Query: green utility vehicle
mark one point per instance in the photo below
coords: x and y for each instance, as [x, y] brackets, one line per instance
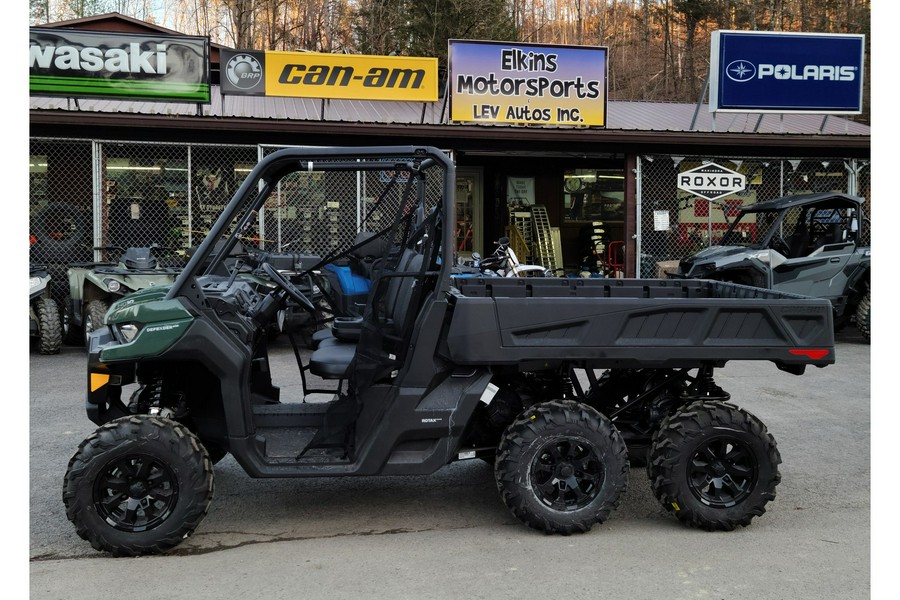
[554, 381]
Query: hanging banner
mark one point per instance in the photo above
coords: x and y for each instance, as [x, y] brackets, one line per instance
[68, 62]
[756, 71]
[318, 75]
[507, 82]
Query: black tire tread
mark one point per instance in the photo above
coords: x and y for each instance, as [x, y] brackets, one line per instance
[666, 478]
[107, 438]
[525, 430]
[864, 316]
[49, 326]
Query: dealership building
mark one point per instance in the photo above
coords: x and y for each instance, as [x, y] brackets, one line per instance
[136, 161]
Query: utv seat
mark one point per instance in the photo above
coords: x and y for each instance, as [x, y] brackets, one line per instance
[333, 356]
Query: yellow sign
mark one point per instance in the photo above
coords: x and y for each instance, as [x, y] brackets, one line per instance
[350, 76]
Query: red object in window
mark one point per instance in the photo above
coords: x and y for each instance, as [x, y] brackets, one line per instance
[701, 207]
[32, 239]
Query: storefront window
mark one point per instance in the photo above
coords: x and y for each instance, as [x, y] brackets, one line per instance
[594, 194]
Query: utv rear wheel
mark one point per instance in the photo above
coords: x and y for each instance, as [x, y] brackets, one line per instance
[561, 467]
[714, 465]
[138, 485]
[864, 316]
[94, 313]
[49, 327]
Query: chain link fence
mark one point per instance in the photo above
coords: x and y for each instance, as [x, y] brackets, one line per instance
[86, 195]
[674, 223]
[90, 199]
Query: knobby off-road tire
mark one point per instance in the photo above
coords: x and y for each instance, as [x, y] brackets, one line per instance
[94, 313]
[561, 467]
[714, 465]
[864, 316]
[49, 326]
[138, 485]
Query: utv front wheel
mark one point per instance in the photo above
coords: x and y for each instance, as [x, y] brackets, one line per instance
[94, 313]
[561, 467]
[138, 485]
[714, 465]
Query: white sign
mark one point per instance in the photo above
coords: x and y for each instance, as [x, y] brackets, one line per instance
[660, 220]
[711, 181]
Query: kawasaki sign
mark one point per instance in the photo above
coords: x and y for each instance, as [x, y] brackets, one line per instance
[67, 62]
[755, 71]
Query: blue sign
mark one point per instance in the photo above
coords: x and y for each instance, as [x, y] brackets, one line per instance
[753, 71]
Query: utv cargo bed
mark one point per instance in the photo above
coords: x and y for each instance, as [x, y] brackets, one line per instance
[634, 323]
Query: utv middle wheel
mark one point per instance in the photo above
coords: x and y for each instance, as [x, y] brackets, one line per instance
[561, 467]
[94, 313]
[714, 465]
[49, 327]
[138, 485]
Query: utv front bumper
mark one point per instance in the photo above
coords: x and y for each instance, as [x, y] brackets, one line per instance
[105, 381]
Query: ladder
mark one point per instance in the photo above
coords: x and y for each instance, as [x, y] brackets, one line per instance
[545, 254]
[520, 219]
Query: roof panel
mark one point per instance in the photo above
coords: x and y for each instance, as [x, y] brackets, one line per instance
[621, 115]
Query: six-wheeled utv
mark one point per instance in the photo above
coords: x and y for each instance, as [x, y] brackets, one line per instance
[555, 381]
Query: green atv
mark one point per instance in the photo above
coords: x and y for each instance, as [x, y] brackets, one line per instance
[94, 286]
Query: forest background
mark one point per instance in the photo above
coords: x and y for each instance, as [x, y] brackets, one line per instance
[658, 49]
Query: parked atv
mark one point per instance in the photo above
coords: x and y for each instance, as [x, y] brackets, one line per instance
[46, 329]
[807, 244]
[94, 286]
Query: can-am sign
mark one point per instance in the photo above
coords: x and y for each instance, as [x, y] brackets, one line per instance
[320, 75]
[711, 181]
[754, 71]
[68, 62]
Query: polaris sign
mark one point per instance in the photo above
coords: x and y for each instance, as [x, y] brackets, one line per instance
[756, 71]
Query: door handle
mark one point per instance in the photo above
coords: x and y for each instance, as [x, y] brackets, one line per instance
[835, 259]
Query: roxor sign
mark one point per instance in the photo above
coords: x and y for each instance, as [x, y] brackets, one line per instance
[711, 181]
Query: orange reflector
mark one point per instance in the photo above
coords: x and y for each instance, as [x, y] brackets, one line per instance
[98, 380]
[813, 354]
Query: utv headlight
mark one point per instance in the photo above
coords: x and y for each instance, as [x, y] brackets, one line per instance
[126, 332]
[112, 285]
[34, 282]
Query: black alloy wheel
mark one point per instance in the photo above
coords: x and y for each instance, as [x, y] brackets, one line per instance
[135, 493]
[723, 471]
[567, 474]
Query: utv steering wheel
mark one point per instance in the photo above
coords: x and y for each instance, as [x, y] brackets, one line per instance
[780, 246]
[289, 288]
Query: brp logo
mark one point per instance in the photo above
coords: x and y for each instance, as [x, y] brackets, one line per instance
[244, 71]
[740, 71]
